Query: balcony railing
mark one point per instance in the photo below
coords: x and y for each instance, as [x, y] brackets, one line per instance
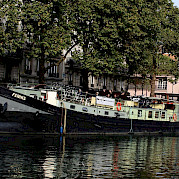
[162, 87]
[28, 72]
[56, 75]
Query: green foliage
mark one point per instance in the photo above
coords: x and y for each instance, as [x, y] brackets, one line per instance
[110, 36]
[167, 66]
[11, 36]
[115, 35]
[157, 21]
[46, 30]
[95, 28]
[46, 34]
[171, 31]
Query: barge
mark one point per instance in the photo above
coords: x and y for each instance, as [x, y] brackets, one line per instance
[82, 113]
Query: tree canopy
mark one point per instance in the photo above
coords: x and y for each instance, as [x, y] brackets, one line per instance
[46, 30]
[159, 26]
[110, 36]
[118, 35]
[11, 36]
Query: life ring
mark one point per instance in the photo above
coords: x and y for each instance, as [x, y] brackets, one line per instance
[118, 105]
[174, 117]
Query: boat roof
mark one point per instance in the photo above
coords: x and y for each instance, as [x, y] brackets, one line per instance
[168, 94]
[154, 98]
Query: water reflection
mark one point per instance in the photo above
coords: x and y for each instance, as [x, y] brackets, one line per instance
[89, 157]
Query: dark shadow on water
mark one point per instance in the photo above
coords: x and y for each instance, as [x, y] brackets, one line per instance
[85, 156]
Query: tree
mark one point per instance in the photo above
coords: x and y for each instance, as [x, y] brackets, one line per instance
[112, 35]
[155, 22]
[47, 31]
[172, 32]
[11, 36]
[97, 28]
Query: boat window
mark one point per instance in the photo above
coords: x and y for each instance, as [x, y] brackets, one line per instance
[40, 86]
[163, 115]
[150, 114]
[170, 106]
[139, 113]
[106, 113]
[33, 96]
[72, 106]
[85, 109]
[59, 94]
[157, 114]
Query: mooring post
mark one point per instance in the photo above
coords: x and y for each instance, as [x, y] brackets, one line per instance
[64, 129]
[64, 121]
[131, 129]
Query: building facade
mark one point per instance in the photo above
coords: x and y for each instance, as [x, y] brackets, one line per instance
[68, 73]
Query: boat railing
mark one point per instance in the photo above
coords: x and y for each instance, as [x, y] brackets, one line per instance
[83, 98]
[73, 96]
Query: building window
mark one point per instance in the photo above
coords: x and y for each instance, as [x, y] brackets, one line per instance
[104, 82]
[115, 84]
[70, 79]
[98, 83]
[27, 64]
[28, 67]
[37, 65]
[92, 81]
[162, 83]
[81, 80]
[52, 71]
[2, 75]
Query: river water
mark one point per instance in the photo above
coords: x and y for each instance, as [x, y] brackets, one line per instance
[89, 157]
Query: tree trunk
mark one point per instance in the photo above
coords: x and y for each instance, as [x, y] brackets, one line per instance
[41, 71]
[85, 79]
[153, 77]
[8, 72]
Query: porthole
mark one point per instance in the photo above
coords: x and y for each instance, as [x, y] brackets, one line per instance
[85, 109]
[72, 106]
[106, 113]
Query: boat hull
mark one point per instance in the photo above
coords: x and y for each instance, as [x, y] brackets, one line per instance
[27, 116]
[28, 122]
[81, 123]
[78, 123]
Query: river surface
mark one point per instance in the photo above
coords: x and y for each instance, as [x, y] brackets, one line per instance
[39, 157]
